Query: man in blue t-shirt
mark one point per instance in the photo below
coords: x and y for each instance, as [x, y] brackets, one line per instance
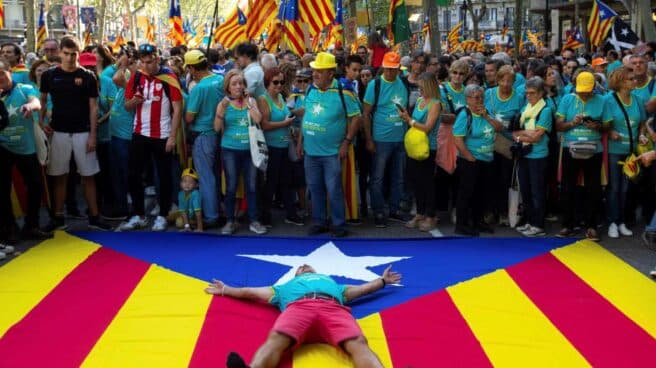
[309, 300]
[201, 108]
[384, 133]
[328, 128]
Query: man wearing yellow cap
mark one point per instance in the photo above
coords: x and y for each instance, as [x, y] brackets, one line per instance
[201, 108]
[328, 128]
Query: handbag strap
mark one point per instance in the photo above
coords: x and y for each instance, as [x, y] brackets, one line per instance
[626, 118]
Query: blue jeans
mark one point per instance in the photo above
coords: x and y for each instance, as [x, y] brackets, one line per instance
[323, 175]
[618, 187]
[532, 174]
[236, 162]
[393, 154]
[119, 149]
[204, 155]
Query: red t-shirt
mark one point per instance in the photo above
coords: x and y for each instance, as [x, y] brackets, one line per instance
[153, 117]
[377, 53]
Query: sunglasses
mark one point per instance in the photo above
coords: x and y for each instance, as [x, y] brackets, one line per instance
[277, 82]
[302, 81]
[458, 73]
[147, 49]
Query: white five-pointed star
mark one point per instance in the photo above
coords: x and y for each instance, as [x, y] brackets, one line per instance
[625, 32]
[458, 105]
[396, 100]
[243, 121]
[12, 110]
[487, 131]
[328, 260]
[498, 117]
[602, 13]
[317, 109]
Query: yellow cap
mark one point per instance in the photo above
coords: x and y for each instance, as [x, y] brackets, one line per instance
[585, 82]
[189, 172]
[324, 60]
[194, 57]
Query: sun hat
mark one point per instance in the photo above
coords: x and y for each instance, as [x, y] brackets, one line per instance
[324, 60]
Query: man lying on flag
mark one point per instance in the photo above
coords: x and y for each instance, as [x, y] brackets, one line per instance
[313, 310]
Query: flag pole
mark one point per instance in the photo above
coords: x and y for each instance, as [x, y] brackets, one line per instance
[209, 42]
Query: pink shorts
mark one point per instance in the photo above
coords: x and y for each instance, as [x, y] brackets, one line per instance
[317, 320]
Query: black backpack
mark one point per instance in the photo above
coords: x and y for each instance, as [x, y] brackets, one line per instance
[340, 90]
[377, 84]
[4, 115]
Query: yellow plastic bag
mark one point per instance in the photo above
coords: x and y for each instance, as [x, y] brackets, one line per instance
[416, 144]
[630, 167]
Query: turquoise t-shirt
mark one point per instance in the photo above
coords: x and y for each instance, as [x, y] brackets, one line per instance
[22, 77]
[35, 114]
[324, 121]
[109, 71]
[235, 128]
[105, 98]
[643, 92]
[121, 121]
[303, 284]
[479, 138]
[189, 203]
[612, 66]
[386, 123]
[596, 108]
[545, 122]
[457, 97]
[503, 110]
[278, 137]
[18, 136]
[520, 80]
[202, 101]
[636, 112]
[420, 115]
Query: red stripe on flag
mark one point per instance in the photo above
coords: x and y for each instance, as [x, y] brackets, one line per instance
[601, 332]
[431, 329]
[226, 323]
[62, 329]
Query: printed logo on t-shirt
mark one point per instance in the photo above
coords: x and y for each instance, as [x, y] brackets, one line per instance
[78, 81]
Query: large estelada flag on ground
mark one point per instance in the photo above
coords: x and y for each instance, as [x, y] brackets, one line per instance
[600, 22]
[136, 300]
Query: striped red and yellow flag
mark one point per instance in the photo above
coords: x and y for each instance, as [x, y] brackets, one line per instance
[292, 31]
[2, 14]
[42, 30]
[176, 35]
[316, 13]
[350, 186]
[259, 17]
[233, 30]
[274, 34]
[600, 22]
[150, 32]
[454, 36]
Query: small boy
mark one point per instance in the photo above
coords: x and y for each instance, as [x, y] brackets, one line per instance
[189, 208]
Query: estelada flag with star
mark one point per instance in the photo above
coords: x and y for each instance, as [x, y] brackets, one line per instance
[462, 301]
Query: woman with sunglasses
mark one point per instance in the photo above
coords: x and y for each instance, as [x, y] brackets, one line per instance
[453, 92]
[276, 120]
[233, 115]
[295, 104]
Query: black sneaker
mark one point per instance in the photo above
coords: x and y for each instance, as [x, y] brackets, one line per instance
[114, 216]
[354, 222]
[56, 223]
[339, 232]
[13, 235]
[75, 214]
[649, 239]
[317, 229]
[485, 228]
[97, 224]
[294, 220]
[380, 222]
[398, 217]
[235, 361]
[35, 233]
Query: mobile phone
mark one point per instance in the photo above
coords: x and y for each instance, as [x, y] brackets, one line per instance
[399, 107]
[291, 115]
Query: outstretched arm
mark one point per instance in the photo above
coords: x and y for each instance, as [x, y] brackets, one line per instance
[389, 277]
[260, 294]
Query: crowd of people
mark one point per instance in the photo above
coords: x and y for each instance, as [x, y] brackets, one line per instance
[556, 126]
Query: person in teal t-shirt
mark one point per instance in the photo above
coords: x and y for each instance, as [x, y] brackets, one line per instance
[190, 210]
[312, 310]
[474, 132]
[582, 116]
[621, 143]
[18, 149]
[328, 128]
[200, 113]
[535, 124]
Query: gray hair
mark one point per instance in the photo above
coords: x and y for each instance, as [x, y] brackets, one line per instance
[502, 56]
[268, 61]
[473, 88]
[536, 83]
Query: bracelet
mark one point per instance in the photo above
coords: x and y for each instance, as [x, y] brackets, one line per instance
[412, 122]
[348, 139]
[383, 280]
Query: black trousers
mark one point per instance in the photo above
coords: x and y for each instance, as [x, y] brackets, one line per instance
[30, 169]
[143, 151]
[592, 178]
[421, 175]
[363, 162]
[474, 191]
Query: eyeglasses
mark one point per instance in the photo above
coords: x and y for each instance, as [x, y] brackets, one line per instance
[458, 73]
[277, 82]
[147, 49]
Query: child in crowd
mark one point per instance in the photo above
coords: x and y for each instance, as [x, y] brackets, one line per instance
[189, 207]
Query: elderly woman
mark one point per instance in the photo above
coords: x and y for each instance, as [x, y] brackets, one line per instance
[474, 132]
[623, 104]
[425, 117]
[232, 118]
[503, 103]
[276, 120]
[581, 117]
[535, 125]
[452, 92]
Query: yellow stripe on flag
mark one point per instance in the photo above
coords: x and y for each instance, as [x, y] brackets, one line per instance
[326, 356]
[630, 291]
[26, 280]
[157, 326]
[501, 315]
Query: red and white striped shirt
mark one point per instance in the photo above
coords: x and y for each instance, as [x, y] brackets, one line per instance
[153, 117]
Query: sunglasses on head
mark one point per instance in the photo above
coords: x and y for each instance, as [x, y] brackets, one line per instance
[301, 80]
[276, 82]
[147, 49]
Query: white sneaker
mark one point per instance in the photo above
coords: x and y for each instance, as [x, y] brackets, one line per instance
[160, 224]
[6, 249]
[135, 222]
[625, 231]
[523, 228]
[534, 231]
[257, 228]
[155, 210]
[453, 216]
[229, 228]
[652, 273]
[150, 191]
[3, 255]
[613, 231]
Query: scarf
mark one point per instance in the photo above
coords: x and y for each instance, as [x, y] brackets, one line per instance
[527, 119]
